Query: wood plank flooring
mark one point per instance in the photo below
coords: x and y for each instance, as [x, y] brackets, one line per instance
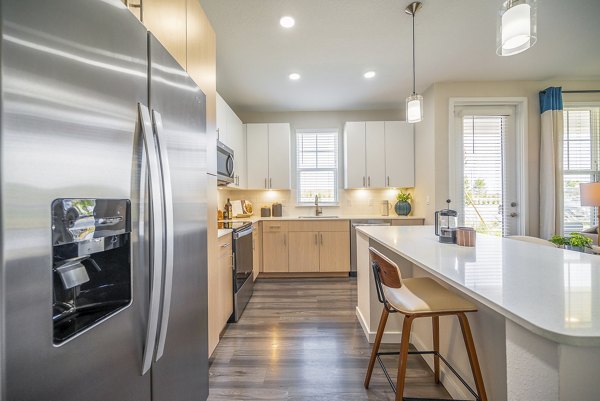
[299, 340]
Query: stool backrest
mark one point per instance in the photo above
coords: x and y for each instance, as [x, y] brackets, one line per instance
[385, 270]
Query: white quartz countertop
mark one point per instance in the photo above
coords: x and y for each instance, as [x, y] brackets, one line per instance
[223, 232]
[552, 292]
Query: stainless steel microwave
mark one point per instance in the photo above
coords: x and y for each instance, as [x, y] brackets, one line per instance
[225, 173]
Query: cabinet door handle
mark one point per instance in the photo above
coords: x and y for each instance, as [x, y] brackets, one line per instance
[218, 134]
[388, 180]
[364, 183]
[233, 261]
[369, 182]
[321, 239]
[284, 240]
[227, 245]
[316, 243]
[265, 183]
[270, 183]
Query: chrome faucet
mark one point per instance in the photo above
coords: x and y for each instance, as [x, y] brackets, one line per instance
[318, 210]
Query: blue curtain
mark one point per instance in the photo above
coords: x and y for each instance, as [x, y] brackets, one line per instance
[551, 162]
[551, 99]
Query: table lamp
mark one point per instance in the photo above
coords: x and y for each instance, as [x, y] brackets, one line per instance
[590, 196]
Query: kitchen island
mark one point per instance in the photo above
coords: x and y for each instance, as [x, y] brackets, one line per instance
[537, 330]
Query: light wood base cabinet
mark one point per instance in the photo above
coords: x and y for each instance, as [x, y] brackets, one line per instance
[334, 251]
[304, 252]
[275, 246]
[306, 246]
[220, 301]
[256, 251]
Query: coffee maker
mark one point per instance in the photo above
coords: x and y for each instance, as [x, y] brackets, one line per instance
[445, 224]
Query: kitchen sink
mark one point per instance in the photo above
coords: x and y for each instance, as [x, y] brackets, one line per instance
[319, 217]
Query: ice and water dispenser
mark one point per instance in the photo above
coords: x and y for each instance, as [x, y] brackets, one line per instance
[91, 266]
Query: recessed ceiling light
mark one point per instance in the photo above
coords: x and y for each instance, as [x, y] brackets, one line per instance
[369, 74]
[287, 22]
[294, 76]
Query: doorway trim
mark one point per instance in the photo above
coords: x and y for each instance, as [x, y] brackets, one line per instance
[521, 129]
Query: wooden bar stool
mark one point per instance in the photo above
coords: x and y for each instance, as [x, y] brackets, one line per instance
[414, 298]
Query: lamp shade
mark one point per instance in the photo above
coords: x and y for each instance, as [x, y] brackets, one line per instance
[414, 108]
[590, 194]
[516, 27]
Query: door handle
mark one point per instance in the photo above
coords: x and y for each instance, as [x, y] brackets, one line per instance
[369, 181]
[156, 238]
[364, 181]
[321, 235]
[284, 240]
[169, 242]
[388, 180]
[270, 183]
[513, 214]
[265, 183]
[316, 242]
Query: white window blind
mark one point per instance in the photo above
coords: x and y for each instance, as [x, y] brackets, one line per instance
[483, 172]
[581, 146]
[317, 165]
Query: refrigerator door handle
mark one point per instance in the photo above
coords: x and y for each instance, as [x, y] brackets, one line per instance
[169, 245]
[156, 246]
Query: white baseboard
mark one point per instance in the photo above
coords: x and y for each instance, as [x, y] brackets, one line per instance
[389, 337]
[450, 382]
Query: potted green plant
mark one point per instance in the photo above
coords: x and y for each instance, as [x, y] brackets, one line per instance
[402, 206]
[575, 242]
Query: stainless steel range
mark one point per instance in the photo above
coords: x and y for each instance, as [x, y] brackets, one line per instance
[243, 282]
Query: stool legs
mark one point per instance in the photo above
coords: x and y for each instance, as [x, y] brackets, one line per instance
[435, 322]
[382, 321]
[406, 326]
[472, 353]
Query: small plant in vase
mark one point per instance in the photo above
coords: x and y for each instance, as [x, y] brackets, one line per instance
[402, 206]
[574, 242]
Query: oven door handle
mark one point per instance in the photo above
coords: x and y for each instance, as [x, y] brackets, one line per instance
[243, 232]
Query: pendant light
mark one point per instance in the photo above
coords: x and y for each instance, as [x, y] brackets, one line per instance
[414, 103]
[516, 27]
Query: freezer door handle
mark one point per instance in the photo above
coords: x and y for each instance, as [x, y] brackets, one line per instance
[169, 244]
[156, 241]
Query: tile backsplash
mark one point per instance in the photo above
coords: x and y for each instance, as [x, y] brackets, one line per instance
[351, 201]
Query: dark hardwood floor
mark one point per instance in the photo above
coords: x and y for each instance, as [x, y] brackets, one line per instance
[300, 340]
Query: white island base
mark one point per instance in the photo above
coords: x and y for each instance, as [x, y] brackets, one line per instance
[537, 329]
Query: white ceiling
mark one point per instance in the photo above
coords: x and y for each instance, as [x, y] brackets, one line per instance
[335, 41]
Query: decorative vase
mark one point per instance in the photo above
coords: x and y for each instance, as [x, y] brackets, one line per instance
[402, 208]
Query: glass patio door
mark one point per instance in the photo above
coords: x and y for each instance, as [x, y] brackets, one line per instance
[487, 176]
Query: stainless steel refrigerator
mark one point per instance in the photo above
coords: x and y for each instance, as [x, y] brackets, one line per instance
[103, 209]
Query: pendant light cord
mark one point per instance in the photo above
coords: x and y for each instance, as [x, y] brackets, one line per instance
[413, 51]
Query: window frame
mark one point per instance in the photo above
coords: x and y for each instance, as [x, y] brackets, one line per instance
[593, 172]
[335, 170]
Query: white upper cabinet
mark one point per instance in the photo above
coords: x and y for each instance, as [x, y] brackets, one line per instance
[222, 111]
[378, 154]
[375, 150]
[268, 156]
[231, 133]
[257, 150]
[399, 154]
[354, 155]
[279, 156]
